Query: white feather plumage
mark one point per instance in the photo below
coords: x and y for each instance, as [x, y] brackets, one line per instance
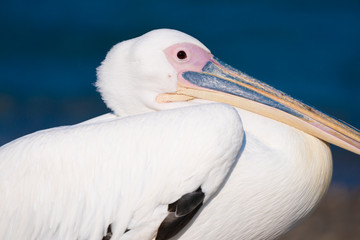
[72, 182]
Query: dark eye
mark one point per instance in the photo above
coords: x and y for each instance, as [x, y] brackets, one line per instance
[181, 54]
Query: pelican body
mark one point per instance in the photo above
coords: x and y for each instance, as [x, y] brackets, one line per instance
[285, 164]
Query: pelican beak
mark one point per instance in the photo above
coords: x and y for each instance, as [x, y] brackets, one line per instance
[220, 82]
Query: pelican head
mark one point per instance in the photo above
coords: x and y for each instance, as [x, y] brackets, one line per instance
[136, 71]
[165, 69]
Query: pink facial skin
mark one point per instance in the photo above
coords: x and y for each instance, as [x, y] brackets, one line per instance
[195, 60]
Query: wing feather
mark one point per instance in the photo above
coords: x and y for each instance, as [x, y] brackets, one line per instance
[73, 182]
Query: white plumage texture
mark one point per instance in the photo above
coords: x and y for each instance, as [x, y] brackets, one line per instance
[72, 182]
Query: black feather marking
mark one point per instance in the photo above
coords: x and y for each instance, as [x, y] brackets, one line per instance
[172, 206]
[180, 214]
[187, 203]
[108, 234]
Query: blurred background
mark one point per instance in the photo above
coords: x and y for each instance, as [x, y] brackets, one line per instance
[49, 51]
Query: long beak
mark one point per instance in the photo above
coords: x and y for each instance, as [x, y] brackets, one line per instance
[221, 83]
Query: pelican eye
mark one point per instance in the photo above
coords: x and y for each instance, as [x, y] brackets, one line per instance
[181, 55]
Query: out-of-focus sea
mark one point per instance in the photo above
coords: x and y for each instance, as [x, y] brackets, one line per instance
[49, 51]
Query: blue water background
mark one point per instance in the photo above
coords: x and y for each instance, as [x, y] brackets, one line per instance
[49, 51]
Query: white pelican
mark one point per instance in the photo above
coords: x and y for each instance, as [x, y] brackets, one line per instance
[117, 178]
[285, 166]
